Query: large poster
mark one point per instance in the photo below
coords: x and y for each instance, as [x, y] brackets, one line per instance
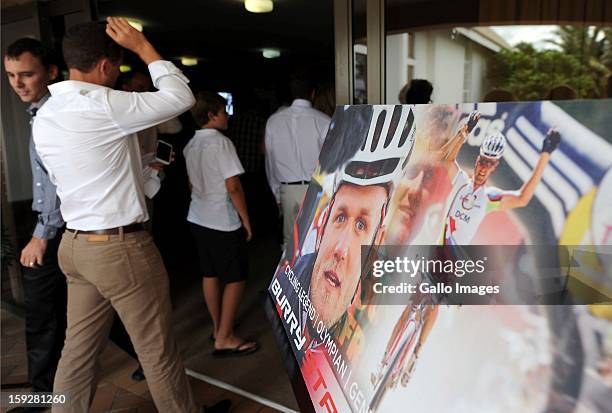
[525, 181]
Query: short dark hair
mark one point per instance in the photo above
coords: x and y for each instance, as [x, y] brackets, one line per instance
[33, 46]
[86, 43]
[301, 85]
[419, 91]
[207, 102]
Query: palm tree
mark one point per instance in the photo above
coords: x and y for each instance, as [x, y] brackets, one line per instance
[592, 47]
[580, 41]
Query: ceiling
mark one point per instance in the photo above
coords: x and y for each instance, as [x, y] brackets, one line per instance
[228, 40]
[218, 29]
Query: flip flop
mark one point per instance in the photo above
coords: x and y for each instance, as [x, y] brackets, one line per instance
[236, 351]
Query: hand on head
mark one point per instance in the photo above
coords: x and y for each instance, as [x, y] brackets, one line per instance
[125, 35]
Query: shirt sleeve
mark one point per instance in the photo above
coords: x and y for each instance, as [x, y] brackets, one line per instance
[45, 202]
[229, 164]
[50, 219]
[133, 111]
[273, 181]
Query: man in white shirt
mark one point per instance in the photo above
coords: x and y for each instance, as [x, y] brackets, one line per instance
[294, 137]
[86, 137]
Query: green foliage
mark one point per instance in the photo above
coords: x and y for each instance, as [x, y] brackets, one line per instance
[581, 42]
[529, 73]
[606, 54]
[590, 45]
[583, 62]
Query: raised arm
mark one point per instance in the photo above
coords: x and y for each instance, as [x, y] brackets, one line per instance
[450, 150]
[520, 198]
[126, 36]
[136, 111]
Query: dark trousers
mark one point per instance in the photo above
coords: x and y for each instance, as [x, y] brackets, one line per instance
[45, 302]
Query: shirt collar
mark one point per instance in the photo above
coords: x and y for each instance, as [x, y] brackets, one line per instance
[301, 103]
[73, 85]
[36, 105]
[206, 132]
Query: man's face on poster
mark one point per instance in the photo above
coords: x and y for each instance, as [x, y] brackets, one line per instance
[354, 220]
[484, 167]
[422, 186]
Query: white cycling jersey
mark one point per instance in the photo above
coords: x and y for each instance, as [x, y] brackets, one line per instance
[467, 209]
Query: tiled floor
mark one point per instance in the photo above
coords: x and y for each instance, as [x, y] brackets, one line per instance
[116, 392]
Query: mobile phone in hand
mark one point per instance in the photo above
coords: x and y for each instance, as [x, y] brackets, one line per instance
[163, 154]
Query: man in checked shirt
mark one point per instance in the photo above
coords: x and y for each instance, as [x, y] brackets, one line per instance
[30, 69]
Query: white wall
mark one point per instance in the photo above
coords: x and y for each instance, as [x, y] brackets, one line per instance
[396, 74]
[424, 44]
[440, 58]
[479, 72]
[448, 70]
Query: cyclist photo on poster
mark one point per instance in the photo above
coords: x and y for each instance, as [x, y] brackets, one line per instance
[509, 175]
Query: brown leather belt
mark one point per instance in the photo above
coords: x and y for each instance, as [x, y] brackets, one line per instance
[111, 231]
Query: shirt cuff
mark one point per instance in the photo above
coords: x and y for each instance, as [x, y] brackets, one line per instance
[160, 68]
[44, 231]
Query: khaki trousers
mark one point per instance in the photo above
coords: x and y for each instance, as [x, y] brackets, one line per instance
[124, 272]
[291, 197]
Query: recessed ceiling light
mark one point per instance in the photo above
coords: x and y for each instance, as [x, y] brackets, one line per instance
[189, 61]
[125, 68]
[271, 53]
[259, 6]
[135, 24]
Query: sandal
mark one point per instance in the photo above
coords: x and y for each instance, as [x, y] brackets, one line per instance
[236, 351]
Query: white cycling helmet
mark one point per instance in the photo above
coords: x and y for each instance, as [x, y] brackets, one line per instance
[386, 150]
[493, 145]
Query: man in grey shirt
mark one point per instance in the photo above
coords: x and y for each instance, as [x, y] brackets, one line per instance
[30, 69]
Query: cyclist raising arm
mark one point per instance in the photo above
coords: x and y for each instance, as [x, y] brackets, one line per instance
[471, 199]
